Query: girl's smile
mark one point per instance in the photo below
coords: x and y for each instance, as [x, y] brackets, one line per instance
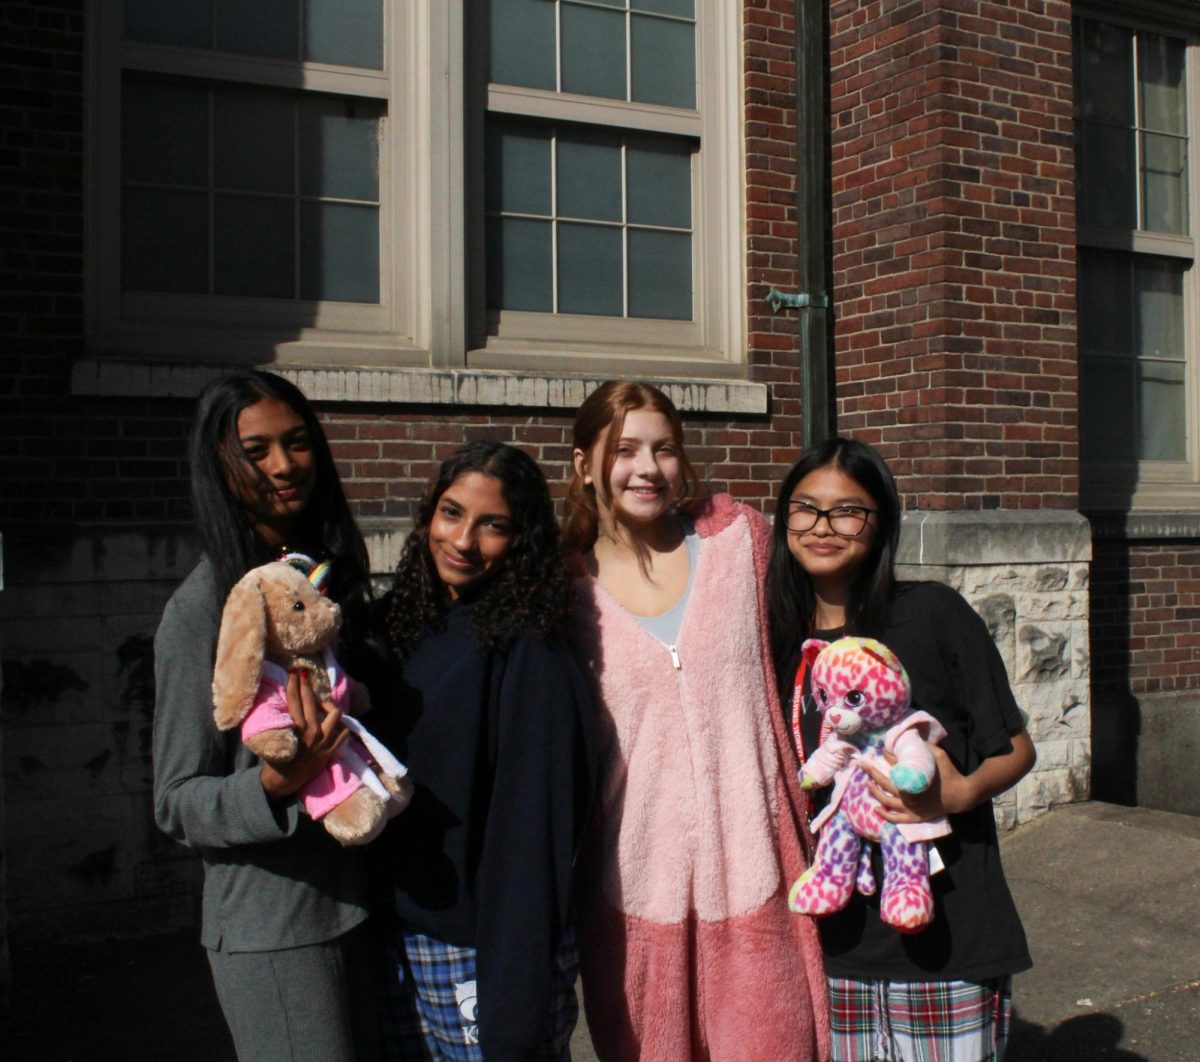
[831, 560]
[282, 467]
[646, 472]
[471, 531]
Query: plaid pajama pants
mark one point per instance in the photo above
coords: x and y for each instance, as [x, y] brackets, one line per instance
[429, 1012]
[919, 1021]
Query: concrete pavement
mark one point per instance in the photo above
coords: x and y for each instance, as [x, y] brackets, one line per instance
[1110, 897]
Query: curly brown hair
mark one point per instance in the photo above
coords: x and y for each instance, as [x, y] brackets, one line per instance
[531, 590]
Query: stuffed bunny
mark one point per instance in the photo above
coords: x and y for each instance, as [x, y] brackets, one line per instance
[275, 620]
[862, 690]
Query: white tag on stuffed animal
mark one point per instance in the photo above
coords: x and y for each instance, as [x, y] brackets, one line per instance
[936, 866]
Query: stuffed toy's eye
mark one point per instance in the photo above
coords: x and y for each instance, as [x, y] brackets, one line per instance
[855, 699]
[822, 694]
[298, 606]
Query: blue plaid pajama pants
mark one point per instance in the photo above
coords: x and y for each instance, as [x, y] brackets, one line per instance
[919, 1021]
[429, 1012]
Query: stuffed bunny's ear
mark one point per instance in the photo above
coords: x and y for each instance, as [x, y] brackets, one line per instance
[240, 647]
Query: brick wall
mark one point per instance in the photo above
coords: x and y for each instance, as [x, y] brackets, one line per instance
[82, 459]
[1145, 617]
[953, 246]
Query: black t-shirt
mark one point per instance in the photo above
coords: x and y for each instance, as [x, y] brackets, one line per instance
[958, 677]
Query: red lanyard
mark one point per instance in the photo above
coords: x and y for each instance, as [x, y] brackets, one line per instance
[798, 708]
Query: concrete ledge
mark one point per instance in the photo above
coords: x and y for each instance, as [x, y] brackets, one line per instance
[1109, 526]
[993, 537]
[111, 553]
[445, 387]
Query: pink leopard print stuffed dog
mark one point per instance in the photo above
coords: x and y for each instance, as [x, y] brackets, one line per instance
[863, 691]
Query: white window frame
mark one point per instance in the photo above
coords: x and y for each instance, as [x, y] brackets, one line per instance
[713, 343]
[431, 293]
[1147, 484]
[417, 163]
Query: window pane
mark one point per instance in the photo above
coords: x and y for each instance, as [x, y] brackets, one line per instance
[519, 264]
[1164, 101]
[344, 32]
[164, 240]
[1106, 404]
[1164, 184]
[1159, 309]
[164, 133]
[682, 8]
[589, 270]
[1109, 196]
[1107, 71]
[187, 23]
[660, 275]
[521, 45]
[253, 137]
[253, 241]
[589, 177]
[339, 252]
[659, 175]
[593, 52]
[259, 27]
[518, 169]
[339, 148]
[664, 62]
[1105, 302]
[1163, 419]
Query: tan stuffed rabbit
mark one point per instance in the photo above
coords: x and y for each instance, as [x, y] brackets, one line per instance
[274, 621]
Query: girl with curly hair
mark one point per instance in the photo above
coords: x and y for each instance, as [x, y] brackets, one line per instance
[687, 947]
[492, 719]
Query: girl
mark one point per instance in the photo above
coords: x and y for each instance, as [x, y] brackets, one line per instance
[494, 727]
[945, 992]
[687, 947]
[281, 898]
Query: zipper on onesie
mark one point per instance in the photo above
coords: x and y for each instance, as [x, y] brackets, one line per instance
[675, 658]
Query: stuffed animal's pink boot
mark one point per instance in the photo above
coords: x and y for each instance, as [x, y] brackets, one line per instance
[906, 902]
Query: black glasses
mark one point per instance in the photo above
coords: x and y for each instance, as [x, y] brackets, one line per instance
[845, 520]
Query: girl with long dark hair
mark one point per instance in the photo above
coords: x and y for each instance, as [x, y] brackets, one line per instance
[283, 903]
[944, 992]
[493, 721]
[687, 947]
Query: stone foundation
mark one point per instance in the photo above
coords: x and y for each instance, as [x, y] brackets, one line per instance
[1026, 574]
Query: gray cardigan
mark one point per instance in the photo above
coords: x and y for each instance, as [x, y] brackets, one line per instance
[272, 877]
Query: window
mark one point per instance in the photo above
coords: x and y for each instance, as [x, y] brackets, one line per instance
[607, 227]
[1137, 297]
[256, 181]
[507, 184]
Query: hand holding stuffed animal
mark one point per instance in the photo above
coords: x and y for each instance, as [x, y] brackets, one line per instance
[275, 620]
[862, 690]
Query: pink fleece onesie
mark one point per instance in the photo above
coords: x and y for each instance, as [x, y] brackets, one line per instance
[687, 947]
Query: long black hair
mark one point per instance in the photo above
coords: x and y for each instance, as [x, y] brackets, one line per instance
[791, 602]
[530, 591]
[326, 527]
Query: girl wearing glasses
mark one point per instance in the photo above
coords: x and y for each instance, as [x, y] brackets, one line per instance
[687, 948]
[944, 992]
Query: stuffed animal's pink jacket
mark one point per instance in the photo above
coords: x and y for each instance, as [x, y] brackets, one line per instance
[826, 764]
[687, 947]
[349, 769]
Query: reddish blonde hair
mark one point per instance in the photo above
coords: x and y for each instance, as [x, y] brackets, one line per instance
[606, 407]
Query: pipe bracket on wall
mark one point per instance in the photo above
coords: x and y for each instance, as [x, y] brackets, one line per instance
[779, 300]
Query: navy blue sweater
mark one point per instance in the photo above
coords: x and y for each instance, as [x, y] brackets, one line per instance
[499, 746]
